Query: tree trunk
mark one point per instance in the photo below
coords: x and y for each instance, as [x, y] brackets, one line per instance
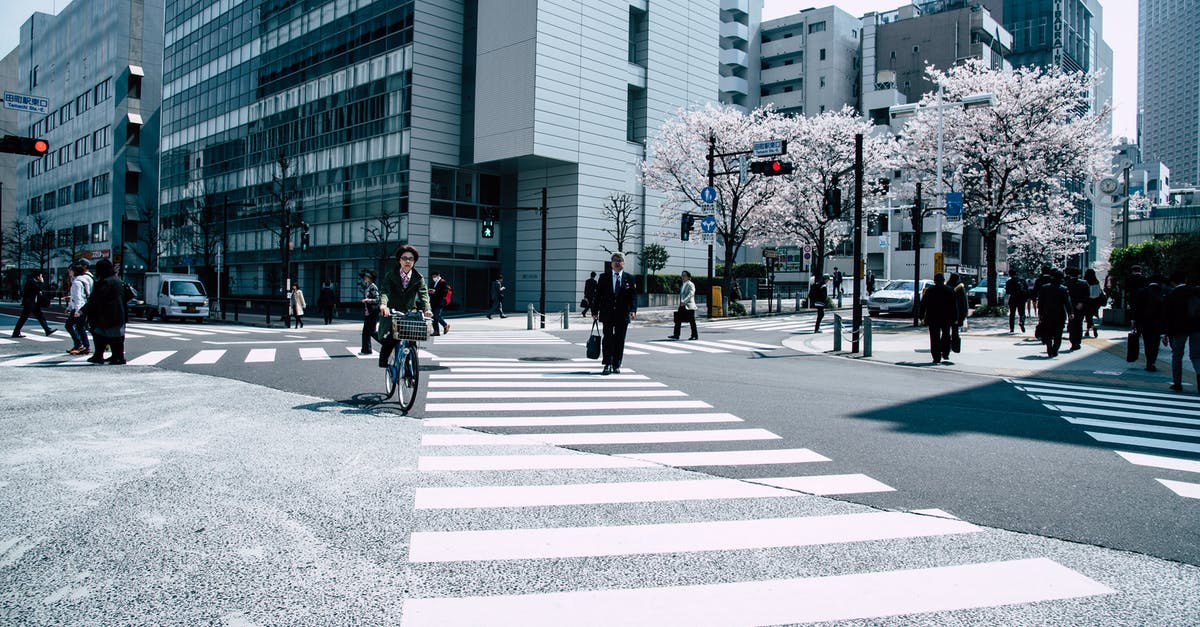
[818, 264]
[989, 252]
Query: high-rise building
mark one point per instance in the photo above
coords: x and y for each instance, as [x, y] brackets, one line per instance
[740, 20]
[809, 61]
[1169, 87]
[410, 121]
[10, 278]
[98, 63]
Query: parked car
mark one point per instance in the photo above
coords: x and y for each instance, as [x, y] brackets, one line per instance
[175, 296]
[976, 295]
[895, 297]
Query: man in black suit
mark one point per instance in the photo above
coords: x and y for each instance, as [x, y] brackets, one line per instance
[939, 310]
[1054, 308]
[616, 306]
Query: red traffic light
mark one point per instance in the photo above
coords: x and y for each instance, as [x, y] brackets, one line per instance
[24, 145]
[776, 166]
[40, 146]
[771, 168]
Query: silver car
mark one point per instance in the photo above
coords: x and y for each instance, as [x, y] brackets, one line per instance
[895, 297]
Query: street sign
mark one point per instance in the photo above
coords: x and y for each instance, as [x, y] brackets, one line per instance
[807, 254]
[707, 238]
[770, 148]
[883, 241]
[707, 208]
[939, 262]
[22, 102]
[954, 205]
[708, 224]
[770, 253]
[708, 194]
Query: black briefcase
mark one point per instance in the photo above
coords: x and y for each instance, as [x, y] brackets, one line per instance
[1131, 346]
[593, 343]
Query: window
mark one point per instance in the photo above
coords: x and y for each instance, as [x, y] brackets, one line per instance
[816, 27]
[33, 76]
[100, 232]
[132, 182]
[786, 90]
[81, 191]
[822, 82]
[81, 103]
[48, 201]
[916, 49]
[102, 138]
[100, 185]
[135, 86]
[64, 196]
[822, 54]
[80, 233]
[35, 204]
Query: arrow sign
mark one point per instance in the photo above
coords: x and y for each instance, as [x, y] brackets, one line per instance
[954, 204]
[708, 224]
[708, 194]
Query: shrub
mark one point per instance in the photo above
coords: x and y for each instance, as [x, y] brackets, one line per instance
[989, 311]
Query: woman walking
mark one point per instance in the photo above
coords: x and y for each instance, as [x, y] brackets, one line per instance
[105, 311]
[296, 305]
[687, 306]
[81, 289]
[1096, 300]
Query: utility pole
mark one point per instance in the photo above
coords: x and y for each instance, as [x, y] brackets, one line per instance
[918, 219]
[542, 294]
[858, 252]
[712, 179]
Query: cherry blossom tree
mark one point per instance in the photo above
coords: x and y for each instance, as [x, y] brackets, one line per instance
[678, 166]
[1016, 160]
[1046, 239]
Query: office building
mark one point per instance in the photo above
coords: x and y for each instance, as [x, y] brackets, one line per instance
[809, 61]
[414, 121]
[740, 20]
[1169, 86]
[9, 275]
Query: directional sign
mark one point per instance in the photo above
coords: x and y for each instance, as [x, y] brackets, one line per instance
[708, 224]
[954, 205]
[707, 208]
[770, 253]
[770, 148]
[707, 238]
[708, 194]
[22, 102]
[883, 241]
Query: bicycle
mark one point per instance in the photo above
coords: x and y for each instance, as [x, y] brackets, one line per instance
[404, 372]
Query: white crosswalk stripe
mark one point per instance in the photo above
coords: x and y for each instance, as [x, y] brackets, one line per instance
[483, 338]
[206, 357]
[1159, 421]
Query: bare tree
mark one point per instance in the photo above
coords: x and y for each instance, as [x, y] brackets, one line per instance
[281, 220]
[619, 210]
[380, 231]
[16, 242]
[41, 241]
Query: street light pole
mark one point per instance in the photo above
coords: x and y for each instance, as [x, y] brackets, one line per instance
[858, 252]
[1125, 211]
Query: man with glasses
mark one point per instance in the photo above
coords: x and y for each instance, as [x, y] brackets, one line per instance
[404, 290]
[616, 307]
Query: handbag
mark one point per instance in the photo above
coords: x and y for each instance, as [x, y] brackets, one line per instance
[955, 341]
[593, 343]
[583, 303]
[677, 316]
[1131, 347]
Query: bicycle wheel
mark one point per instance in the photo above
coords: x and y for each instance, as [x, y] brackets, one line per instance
[410, 379]
[391, 374]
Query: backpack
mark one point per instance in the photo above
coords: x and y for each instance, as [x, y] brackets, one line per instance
[449, 293]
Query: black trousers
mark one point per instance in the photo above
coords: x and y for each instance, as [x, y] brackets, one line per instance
[27, 311]
[368, 330]
[613, 342]
[820, 316]
[685, 315]
[1075, 328]
[1052, 331]
[939, 341]
[1016, 306]
[1151, 337]
[327, 312]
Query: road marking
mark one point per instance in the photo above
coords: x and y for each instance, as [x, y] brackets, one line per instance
[25, 361]
[546, 421]
[828, 484]
[566, 406]
[1182, 488]
[526, 462]
[575, 439]
[42, 339]
[1133, 426]
[656, 349]
[725, 535]
[1156, 461]
[259, 355]
[733, 347]
[532, 366]
[591, 493]
[310, 354]
[1145, 442]
[779, 601]
[206, 357]
[500, 394]
[305, 341]
[1075, 409]
[572, 369]
[697, 346]
[152, 332]
[151, 358]
[753, 344]
[8, 341]
[731, 458]
[1059, 388]
[1106, 400]
[1097, 407]
[450, 360]
[354, 350]
[545, 376]
[585, 383]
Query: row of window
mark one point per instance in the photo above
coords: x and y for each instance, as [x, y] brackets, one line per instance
[88, 99]
[81, 147]
[66, 195]
[82, 234]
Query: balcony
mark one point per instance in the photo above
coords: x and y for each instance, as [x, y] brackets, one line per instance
[786, 100]
[734, 85]
[781, 47]
[735, 6]
[733, 30]
[783, 74]
[733, 56]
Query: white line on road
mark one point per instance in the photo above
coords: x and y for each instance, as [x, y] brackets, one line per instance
[151, 358]
[312, 341]
[1107, 400]
[354, 350]
[526, 462]
[206, 357]
[731, 458]
[725, 535]
[566, 406]
[544, 376]
[1158, 461]
[1133, 426]
[591, 493]
[1169, 445]
[546, 421]
[1137, 415]
[1182, 488]
[1111, 392]
[260, 355]
[498, 394]
[753, 344]
[32, 359]
[620, 437]
[826, 485]
[654, 348]
[781, 601]
[311, 354]
[605, 382]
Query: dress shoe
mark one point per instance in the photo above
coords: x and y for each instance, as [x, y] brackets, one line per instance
[364, 352]
[96, 359]
[51, 332]
[616, 370]
[115, 362]
[1022, 327]
[502, 316]
[607, 370]
[693, 338]
[1177, 387]
[672, 337]
[446, 329]
[489, 316]
[1151, 368]
[18, 335]
[1075, 347]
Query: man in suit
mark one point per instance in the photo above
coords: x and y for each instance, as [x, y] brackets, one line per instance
[1054, 308]
[496, 295]
[1079, 292]
[939, 310]
[616, 307]
[438, 292]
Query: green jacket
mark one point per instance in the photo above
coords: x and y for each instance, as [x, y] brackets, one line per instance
[396, 297]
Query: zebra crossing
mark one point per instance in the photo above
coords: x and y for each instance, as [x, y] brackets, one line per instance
[207, 357]
[788, 323]
[694, 346]
[1166, 423]
[488, 502]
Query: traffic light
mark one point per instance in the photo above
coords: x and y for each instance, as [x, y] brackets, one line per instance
[885, 184]
[771, 168]
[303, 236]
[686, 222]
[487, 227]
[833, 199]
[24, 145]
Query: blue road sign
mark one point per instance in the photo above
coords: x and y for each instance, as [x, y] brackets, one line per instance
[954, 204]
[708, 194]
[708, 224]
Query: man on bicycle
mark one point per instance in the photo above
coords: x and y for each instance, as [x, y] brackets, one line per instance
[402, 289]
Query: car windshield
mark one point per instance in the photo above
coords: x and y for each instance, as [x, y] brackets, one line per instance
[186, 288]
[899, 285]
[982, 285]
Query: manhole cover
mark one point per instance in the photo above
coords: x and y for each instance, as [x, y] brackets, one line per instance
[542, 359]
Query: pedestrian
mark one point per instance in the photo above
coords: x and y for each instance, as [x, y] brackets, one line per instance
[1096, 299]
[687, 306]
[961, 307]
[496, 296]
[326, 301]
[1078, 289]
[616, 307]
[1181, 324]
[296, 305]
[939, 312]
[1133, 284]
[370, 302]
[1030, 297]
[837, 282]
[403, 290]
[105, 310]
[589, 294]
[1148, 312]
[81, 289]
[818, 297]
[1014, 292]
[1054, 307]
[439, 297]
[870, 282]
[32, 300]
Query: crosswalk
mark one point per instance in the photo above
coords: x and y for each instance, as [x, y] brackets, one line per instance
[787, 324]
[694, 346]
[138, 330]
[1168, 424]
[208, 357]
[508, 499]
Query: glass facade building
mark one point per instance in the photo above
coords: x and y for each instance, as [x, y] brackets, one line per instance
[1169, 87]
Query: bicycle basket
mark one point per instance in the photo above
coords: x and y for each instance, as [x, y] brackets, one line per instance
[410, 327]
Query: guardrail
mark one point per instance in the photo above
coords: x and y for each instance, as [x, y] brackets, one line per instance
[838, 323]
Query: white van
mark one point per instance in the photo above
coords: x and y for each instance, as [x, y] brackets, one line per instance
[175, 296]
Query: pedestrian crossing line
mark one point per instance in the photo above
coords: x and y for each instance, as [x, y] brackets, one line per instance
[858, 596]
[1106, 400]
[476, 497]
[311, 354]
[151, 332]
[652, 348]
[354, 350]
[1110, 392]
[1170, 445]
[752, 344]
[205, 357]
[572, 461]
[721, 345]
[31, 359]
[43, 339]
[648, 539]
[552, 421]
[697, 346]
[260, 355]
[133, 336]
[1158, 461]
[1182, 488]
[8, 341]
[501, 394]
[828, 485]
[179, 330]
[565, 406]
[589, 383]
[730, 458]
[453, 360]
[508, 375]
[151, 358]
[598, 438]
[564, 369]
[1130, 426]
[532, 366]
[1137, 415]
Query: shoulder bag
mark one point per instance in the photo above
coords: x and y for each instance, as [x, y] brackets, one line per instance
[593, 343]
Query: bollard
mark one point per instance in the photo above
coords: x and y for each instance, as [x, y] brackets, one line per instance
[797, 302]
[753, 305]
[779, 304]
[867, 337]
[529, 317]
[566, 320]
[837, 333]
[268, 314]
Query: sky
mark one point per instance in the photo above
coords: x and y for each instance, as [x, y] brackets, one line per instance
[1120, 31]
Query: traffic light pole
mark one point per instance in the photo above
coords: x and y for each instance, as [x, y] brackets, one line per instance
[918, 221]
[712, 179]
[858, 252]
[542, 293]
